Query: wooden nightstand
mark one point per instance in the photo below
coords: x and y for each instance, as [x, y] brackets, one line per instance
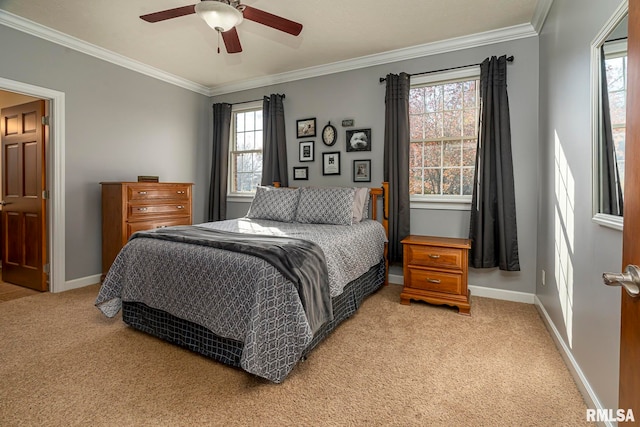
[435, 271]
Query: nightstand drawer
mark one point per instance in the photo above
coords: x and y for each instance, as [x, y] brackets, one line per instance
[429, 280]
[434, 256]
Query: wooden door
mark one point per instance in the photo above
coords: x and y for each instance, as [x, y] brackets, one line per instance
[23, 181]
[630, 328]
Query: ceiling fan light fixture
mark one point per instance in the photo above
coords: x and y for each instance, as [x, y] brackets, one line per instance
[218, 15]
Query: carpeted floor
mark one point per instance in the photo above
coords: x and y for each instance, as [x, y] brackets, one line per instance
[64, 364]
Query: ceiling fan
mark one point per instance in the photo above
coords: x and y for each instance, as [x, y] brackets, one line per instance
[224, 15]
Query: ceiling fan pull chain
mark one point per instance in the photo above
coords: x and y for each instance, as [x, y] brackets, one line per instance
[218, 41]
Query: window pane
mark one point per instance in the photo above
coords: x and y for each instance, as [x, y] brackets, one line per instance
[615, 73]
[249, 138]
[453, 96]
[432, 154]
[249, 121]
[452, 123]
[469, 94]
[257, 179]
[451, 181]
[239, 122]
[258, 123]
[258, 140]
[467, 181]
[416, 126]
[433, 126]
[257, 162]
[416, 101]
[469, 125]
[433, 98]
[617, 107]
[415, 155]
[452, 153]
[415, 180]
[469, 152]
[240, 142]
[431, 181]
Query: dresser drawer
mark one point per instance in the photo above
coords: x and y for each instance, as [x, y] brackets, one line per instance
[139, 212]
[434, 256]
[132, 227]
[428, 280]
[158, 192]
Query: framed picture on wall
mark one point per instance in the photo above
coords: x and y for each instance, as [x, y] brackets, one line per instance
[331, 163]
[362, 171]
[301, 173]
[306, 127]
[306, 151]
[359, 140]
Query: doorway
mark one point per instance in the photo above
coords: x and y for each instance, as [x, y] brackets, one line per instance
[22, 177]
[55, 176]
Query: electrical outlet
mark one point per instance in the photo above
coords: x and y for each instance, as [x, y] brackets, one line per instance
[544, 278]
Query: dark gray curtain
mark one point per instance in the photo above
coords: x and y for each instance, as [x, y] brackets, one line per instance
[274, 150]
[219, 162]
[610, 187]
[396, 160]
[493, 231]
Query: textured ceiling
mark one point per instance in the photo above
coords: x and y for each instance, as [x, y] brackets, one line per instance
[334, 30]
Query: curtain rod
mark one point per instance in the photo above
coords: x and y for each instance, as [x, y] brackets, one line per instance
[509, 59]
[253, 100]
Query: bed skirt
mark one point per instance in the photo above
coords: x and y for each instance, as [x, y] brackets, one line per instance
[228, 351]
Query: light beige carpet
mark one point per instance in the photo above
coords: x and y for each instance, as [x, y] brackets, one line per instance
[64, 364]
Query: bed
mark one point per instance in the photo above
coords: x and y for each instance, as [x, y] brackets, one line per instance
[258, 292]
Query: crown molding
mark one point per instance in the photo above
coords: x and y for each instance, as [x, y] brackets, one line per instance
[26, 26]
[540, 14]
[458, 43]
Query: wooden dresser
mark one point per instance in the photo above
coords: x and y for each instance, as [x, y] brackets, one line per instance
[435, 270]
[128, 207]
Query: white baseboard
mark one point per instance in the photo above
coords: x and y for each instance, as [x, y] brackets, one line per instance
[481, 291]
[585, 388]
[503, 294]
[79, 283]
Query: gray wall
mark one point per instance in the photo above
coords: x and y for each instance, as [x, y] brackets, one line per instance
[119, 124]
[358, 95]
[587, 314]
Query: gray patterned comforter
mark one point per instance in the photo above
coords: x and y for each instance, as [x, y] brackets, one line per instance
[236, 295]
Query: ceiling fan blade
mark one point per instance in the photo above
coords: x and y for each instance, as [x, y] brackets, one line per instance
[232, 41]
[270, 20]
[169, 13]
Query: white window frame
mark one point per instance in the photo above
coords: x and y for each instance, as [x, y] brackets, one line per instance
[441, 202]
[243, 197]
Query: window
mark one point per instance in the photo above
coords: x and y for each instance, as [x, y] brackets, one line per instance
[443, 123]
[616, 69]
[245, 149]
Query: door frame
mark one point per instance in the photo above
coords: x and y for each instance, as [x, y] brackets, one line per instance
[55, 155]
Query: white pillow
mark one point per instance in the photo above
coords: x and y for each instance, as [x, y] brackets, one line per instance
[359, 200]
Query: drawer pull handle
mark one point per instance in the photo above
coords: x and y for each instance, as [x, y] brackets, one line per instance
[142, 192]
[180, 207]
[180, 192]
[142, 209]
[434, 256]
[433, 280]
[161, 226]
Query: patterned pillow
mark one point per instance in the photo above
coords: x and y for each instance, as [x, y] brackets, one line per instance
[277, 204]
[325, 206]
[365, 209]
